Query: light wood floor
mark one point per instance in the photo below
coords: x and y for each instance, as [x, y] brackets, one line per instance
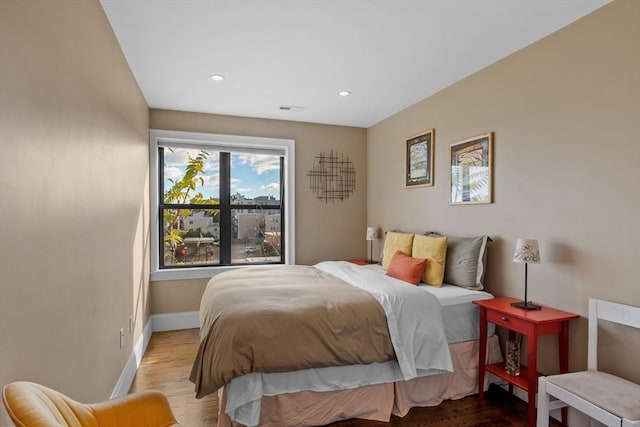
[167, 364]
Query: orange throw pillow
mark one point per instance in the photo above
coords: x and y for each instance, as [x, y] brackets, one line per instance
[406, 268]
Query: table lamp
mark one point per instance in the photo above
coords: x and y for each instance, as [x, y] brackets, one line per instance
[372, 234]
[527, 252]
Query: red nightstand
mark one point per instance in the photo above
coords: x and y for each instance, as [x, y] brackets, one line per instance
[362, 261]
[532, 324]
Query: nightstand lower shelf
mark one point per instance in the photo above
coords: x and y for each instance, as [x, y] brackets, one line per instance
[520, 381]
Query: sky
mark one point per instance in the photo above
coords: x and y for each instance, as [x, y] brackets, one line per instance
[252, 175]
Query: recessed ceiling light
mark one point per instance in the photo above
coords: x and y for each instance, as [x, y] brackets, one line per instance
[217, 77]
[344, 93]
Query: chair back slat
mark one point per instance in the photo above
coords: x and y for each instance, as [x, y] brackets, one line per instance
[619, 313]
[610, 311]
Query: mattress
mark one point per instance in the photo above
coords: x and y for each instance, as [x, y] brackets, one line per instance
[459, 315]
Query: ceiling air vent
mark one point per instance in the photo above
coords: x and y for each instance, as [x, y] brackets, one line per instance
[291, 108]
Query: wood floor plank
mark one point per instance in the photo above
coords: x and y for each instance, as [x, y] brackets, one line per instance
[166, 366]
[167, 362]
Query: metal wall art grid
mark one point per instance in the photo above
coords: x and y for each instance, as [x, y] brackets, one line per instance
[333, 177]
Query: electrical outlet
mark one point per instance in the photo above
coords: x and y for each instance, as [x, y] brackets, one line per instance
[131, 324]
[121, 337]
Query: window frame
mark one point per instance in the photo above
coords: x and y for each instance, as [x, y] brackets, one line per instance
[234, 143]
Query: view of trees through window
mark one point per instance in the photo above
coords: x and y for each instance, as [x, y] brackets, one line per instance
[219, 208]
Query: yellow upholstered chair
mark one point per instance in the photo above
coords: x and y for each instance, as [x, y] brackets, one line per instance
[33, 405]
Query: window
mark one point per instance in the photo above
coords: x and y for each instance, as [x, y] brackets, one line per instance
[219, 201]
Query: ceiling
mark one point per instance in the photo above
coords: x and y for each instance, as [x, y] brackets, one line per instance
[389, 54]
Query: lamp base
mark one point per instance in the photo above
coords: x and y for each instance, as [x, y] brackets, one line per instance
[526, 305]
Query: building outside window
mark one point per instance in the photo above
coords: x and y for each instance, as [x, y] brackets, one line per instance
[220, 202]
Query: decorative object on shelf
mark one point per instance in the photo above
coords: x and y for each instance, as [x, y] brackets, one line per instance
[419, 159]
[512, 357]
[333, 177]
[372, 234]
[527, 252]
[472, 170]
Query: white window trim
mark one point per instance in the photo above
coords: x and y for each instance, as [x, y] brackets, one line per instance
[176, 138]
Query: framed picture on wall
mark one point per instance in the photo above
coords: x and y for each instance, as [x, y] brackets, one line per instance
[471, 172]
[419, 159]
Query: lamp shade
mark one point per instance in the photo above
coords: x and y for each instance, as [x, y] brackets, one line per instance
[527, 251]
[372, 233]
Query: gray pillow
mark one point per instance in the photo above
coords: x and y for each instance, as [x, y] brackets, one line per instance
[466, 261]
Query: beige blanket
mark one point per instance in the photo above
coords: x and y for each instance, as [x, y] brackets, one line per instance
[281, 319]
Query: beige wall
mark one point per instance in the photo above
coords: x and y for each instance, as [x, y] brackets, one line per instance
[73, 199]
[324, 231]
[566, 117]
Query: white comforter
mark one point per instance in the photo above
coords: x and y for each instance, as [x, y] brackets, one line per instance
[415, 328]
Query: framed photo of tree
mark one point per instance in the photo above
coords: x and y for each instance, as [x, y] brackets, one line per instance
[419, 159]
[472, 170]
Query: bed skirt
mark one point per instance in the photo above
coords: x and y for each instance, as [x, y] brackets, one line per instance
[376, 402]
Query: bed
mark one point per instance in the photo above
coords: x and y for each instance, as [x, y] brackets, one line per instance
[264, 379]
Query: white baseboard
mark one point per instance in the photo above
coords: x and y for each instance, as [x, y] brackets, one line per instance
[129, 372]
[175, 321]
[156, 323]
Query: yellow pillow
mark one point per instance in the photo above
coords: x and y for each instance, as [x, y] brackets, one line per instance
[395, 241]
[435, 250]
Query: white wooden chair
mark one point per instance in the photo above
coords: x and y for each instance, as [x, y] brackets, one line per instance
[603, 397]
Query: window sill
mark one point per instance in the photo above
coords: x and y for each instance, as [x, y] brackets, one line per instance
[198, 272]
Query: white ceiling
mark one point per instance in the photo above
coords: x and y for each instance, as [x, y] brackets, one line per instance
[389, 53]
